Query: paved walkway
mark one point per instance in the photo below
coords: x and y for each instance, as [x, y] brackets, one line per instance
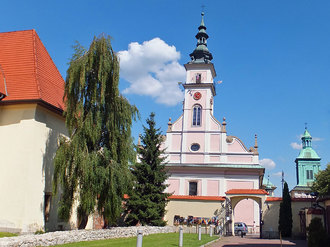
[254, 241]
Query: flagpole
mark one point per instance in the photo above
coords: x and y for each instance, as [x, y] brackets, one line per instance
[282, 181]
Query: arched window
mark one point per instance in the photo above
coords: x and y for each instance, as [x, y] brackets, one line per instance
[197, 115]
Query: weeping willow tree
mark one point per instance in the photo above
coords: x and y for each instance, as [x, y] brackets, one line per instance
[91, 167]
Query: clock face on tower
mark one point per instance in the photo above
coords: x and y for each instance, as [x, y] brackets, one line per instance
[197, 95]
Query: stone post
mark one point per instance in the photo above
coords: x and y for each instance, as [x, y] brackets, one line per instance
[211, 230]
[139, 238]
[180, 236]
[199, 232]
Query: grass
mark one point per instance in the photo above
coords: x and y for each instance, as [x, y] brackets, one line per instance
[7, 234]
[159, 240]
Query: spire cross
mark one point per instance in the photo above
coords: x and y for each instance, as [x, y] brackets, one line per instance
[305, 126]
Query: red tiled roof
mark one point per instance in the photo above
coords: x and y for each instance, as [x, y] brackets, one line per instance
[315, 211]
[197, 198]
[273, 199]
[293, 199]
[247, 191]
[30, 73]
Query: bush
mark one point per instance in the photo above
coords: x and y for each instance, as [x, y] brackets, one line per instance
[39, 232]
[317, 236]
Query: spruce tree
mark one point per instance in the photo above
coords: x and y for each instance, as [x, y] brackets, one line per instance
[91, 165]
[285, 218]
[147, 200]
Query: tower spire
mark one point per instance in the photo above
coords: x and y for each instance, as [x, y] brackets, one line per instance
[256, 144]
[306, 139]
[201, 53]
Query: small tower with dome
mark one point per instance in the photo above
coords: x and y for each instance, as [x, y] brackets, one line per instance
[308, 163]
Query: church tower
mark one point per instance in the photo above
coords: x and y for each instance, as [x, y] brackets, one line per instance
[308, 164]
[199, 86]
[203, 161]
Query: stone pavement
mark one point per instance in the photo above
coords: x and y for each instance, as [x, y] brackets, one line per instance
[254, 241]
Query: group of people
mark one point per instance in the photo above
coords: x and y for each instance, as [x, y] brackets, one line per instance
[191, 220]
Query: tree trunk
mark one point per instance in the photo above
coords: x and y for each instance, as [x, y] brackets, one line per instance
[83, 219]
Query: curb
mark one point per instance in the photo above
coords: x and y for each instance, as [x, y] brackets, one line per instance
[209, 243]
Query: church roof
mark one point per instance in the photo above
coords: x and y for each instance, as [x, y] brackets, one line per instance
[28, 74]
[201, 54]
[307, 134]
[308, 153]
[267, 183]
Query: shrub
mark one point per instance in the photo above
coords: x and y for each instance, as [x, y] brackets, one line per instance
[39, 232]
[317, 236]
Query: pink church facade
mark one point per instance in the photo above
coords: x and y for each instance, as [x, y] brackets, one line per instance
[204, 162]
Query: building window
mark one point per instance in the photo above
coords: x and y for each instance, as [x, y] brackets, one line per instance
[193, 188]
[195, 147]
[309, 174]
[197, 115]
[198, 78]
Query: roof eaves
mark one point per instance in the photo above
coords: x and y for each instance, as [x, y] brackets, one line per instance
[41, 102]
[35, 60]
[197, 198]
[247, 192]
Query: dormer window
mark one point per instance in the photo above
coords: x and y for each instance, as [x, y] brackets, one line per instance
[198, 78]
[197, 115]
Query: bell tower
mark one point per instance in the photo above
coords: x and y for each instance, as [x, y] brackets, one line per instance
[199, 85]
[308, 161]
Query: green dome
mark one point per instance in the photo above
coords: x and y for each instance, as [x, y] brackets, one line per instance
[201, 54]
[267, 183]
[308, 153]
[202, 48]
[307, 134]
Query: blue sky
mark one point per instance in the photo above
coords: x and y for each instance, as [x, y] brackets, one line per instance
[272, 56]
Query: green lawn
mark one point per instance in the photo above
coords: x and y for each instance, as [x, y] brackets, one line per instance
[159, 240]
[7, 234]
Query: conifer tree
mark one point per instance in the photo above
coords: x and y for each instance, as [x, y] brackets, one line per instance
[147, 200]
[92, 164]
[285, 218]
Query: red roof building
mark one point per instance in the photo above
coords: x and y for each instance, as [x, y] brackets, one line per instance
[31, 121]
[27, 72]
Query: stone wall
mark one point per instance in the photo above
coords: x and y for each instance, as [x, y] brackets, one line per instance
[62, 237]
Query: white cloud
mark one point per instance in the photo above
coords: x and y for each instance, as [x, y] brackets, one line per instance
[152, 69]
[295, 145]
[268, 163]
[277, 174]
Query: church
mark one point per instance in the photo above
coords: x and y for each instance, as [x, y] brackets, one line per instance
[213, 175]
[206, 163]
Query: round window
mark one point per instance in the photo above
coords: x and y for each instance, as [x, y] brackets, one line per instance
[195, 147]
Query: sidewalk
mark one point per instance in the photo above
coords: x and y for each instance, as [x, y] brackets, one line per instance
[254, 241]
